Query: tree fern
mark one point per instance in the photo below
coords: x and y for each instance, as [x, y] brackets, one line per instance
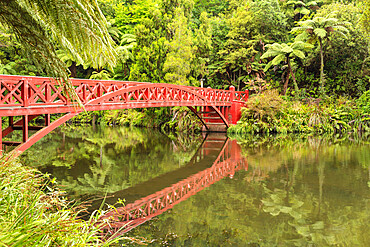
[319, 29]
[286, 53]
[76, 26]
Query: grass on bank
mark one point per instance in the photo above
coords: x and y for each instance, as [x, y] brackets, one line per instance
[33, 214]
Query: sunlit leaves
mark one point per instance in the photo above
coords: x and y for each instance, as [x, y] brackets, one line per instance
[365, 20]
[298, 53]
[320, 32]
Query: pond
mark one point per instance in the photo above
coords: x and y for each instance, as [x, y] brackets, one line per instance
[210, 190]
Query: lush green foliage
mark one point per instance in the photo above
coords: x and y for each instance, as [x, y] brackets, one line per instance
[34, 214]
[221, 43]
[268, 112]
[176, 118]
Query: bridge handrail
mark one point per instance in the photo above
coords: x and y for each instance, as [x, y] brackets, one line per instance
[24, 91]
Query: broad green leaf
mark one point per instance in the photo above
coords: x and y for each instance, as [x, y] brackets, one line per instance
[304, 11]
[286, 209]
[312, 3]
[295, 215]
[268, 66]
[268, 203]
[298, 204]
[303, 230]
[270, 53]
[319, 225]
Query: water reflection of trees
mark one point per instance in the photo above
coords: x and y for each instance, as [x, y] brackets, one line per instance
[109, 159]
[298, 191]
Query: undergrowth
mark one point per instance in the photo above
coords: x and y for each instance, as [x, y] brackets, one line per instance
[34, 214]
[269, 112]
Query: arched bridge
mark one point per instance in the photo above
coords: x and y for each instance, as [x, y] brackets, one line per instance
[32, 97]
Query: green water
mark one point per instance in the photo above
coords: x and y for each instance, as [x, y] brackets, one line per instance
[292, 190]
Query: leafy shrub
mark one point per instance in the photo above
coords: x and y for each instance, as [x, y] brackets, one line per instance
[364, 102]
[269, 113]
[264, 106]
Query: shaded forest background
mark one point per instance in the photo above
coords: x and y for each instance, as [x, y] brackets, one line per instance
[220, 43]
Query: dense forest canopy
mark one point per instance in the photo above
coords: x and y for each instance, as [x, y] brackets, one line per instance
[310, 47]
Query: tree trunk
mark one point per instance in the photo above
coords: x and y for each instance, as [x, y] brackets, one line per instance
[101, 156]
[286, 82]
[73, 69]
[322, 91]
[293, 76]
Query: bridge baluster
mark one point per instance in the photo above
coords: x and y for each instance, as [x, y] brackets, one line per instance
[24, 93]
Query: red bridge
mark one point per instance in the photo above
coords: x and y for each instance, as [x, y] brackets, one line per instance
[229, 160]
[32, 97]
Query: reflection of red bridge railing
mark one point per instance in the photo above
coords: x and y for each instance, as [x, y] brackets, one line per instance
[227, 163]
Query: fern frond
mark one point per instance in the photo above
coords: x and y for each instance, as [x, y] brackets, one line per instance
[76, 26]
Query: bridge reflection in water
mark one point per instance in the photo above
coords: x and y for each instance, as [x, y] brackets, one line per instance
[217, 157]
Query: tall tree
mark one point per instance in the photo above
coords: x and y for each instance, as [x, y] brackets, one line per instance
[177, 65]
[251, 25]
[366, 16]
[319, 29]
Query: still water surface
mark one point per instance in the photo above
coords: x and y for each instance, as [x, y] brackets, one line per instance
[258, 191]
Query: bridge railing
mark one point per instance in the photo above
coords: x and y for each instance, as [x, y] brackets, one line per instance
[17, 91]
[222, 95]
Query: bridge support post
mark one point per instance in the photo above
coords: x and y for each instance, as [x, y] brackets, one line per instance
[235, 108]
[47, 119]
[11, 121]
[25, 128]
[235, 112]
